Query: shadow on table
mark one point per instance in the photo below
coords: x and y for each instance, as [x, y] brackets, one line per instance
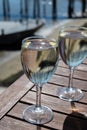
[76, 120]
[38, 127]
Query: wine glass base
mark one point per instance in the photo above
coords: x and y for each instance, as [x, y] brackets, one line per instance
[38, 115]
[69, 94]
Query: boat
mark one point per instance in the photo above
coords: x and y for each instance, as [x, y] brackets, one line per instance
[12, 41]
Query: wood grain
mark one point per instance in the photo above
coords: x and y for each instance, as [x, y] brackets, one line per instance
[10, 97]
[82, 75]
[63, 81]
[55, 103]
[8, 123]
[67, 115]
[59, 121]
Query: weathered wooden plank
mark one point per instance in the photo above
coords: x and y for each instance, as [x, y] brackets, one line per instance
[13, 94]
[66, 115]
[51, 89]
[85, 61]
[77, 74]
[59, 122]
[8, 123]
[56, 104]
[63, 81]
[19, 108]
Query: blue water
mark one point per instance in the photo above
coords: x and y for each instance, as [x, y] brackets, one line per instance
[62, 6]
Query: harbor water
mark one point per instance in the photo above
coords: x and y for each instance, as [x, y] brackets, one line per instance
[17, 9]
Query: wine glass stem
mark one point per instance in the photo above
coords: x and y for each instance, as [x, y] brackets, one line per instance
[38, 95]
[71, 77]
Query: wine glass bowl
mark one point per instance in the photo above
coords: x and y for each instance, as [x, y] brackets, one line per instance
[73, 50]
[39, 58]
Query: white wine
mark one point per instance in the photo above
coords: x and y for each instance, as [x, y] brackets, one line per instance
[39, 60]
[73, 50]
[73, 47]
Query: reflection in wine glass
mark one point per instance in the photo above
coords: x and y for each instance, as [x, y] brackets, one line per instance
[73, 50]
[39, 58]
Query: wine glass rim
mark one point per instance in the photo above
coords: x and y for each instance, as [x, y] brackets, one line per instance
[31, 38]
[40, 38]
[71, 26]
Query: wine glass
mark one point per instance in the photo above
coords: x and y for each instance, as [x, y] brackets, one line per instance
[39, 58]
[73, 50]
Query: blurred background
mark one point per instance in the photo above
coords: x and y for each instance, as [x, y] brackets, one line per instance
[23, 9]
[23, 18]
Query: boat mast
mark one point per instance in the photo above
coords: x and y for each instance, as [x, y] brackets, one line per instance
[21, 9]
[36, 10]
[54, 10]
[6, 9]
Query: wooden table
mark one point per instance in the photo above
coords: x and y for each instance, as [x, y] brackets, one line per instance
[67, 115]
